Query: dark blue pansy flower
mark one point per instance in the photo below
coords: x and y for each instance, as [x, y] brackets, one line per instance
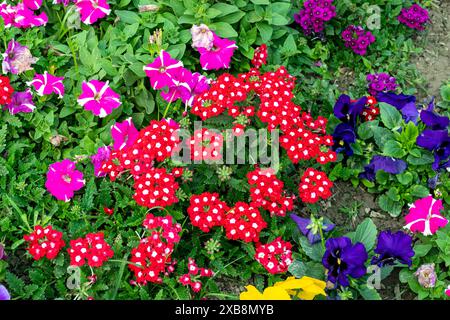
[433, 182]
[343, 136]
[4, 294]
[437, 141]
[307, 229]
[405, 104]
[387, 164]
[348, 111]
[392, 247]
[432, 120]
[343, 259]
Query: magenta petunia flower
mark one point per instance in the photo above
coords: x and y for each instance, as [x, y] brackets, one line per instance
[32, 4]
[47, 84]
[219, 56]
[424, 216]
[124, 134]
[92, 10]
[17, 58]
[63, 179]
[162, 70]
[98, 97]
[97, 159]
[21, 102]
[180, 88]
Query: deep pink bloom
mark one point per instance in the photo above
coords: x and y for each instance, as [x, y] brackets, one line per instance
[47, 84]
[447, 291]
[63, 179]
[21, 102]
[32, 4]
[98, 97]
[180, 88]
[424, 216]
[124, 134]
[21, 16]
[219, 56]
[162, 70]
[92, 10]
[97, 159]
[172, 123]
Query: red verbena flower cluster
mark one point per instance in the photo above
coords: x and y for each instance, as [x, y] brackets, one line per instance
[244, 222]
[152, 257]
[266, 191]
[192, 277]
[206, 144]
[93, 249]
[206, 211]
[275, 256]
[44, 242]
[260, 56]
[153, 187]
[371, 111]
[314, 186]
[6, 91]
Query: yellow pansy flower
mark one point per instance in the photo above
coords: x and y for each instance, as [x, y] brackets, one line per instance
[309, 289]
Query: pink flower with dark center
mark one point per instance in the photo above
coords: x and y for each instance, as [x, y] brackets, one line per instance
[63, 179]
[99, 98]
[47, 84]
[92, 10]
[17, 58]
[425, 217]
[162, 70]
[124, 134]
[21, 102]
[219, 56]
[97, 159]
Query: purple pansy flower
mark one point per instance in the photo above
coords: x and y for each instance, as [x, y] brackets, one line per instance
[392, 247]
[387, 164]
[347, 110]
[432, 120]
[405, 104]
[437, 141]
[21, 102]
[305, 227]
[4, 294]
[343, 259]
[343, 136]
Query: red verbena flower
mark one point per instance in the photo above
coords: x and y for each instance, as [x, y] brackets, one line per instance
[92, 249]
[207, 211]
[193, 276]
[155, 188]
[244, 222]
[260, 56]
[44, 242]
[275, 256]
[6, 91]
[314, 186]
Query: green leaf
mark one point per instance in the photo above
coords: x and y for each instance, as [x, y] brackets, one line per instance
[365, 129]
[390, 116]
[260, 1]
[224, 9]
[265, 31]
[314, 251]
[382, 135]
[224, 30]
[419, 191]
[404, 178]
[128, 17]
[394, 208]
[393, 149]
[421, 250]
[368, 293]
[366, 233]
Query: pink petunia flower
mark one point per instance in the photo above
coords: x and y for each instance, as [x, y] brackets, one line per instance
[97, 159]
[63, 179]
[99, 98]
[47, 84]
[180, 88]
[447, 291]
[219, 56]
[32, 4]
[124, 134]
[162, 70]
[424, 216]
[21, 102]
[92, 10]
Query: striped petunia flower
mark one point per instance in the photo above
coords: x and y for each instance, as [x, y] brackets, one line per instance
[99, 98]
[92, 10]
[46, 84]
[21, 102]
